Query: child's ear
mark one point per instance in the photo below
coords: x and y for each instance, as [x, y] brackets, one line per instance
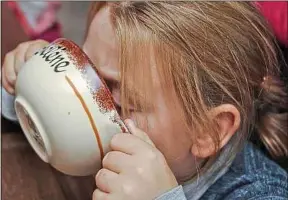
[227, 118]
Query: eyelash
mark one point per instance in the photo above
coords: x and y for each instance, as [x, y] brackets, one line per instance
[132, 107]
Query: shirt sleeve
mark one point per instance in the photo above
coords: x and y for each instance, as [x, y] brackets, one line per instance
[7, 109]
[269, 198]
[260, 190]
[176, 193]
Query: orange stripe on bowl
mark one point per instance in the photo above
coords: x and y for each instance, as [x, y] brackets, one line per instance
[88, 115]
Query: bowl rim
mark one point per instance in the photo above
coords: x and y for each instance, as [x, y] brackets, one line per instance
[93, 66]
[25, 106]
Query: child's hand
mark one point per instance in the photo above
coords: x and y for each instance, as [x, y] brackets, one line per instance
[15, 59]
[134, 169]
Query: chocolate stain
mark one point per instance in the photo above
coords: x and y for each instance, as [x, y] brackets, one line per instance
[75, 53]
[103, 99]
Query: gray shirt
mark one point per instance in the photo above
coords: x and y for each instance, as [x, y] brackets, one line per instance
[250, 176]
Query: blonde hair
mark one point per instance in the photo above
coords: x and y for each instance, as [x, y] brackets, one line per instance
[206, 54]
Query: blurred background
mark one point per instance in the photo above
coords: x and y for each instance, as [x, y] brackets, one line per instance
[72, 15]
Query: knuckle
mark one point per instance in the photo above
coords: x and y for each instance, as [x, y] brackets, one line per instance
[21, 45]
[154, 157]
[151, 155]
[127, 189]
[9, 55]
[11, 79]
[140, 171]
[41, 41]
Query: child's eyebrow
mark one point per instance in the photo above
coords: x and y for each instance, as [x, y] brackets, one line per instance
[139, 98]
[114, 76]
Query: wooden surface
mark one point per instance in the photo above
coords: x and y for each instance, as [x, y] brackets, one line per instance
[24, 175]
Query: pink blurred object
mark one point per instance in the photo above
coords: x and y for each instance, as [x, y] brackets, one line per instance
[38, 19]
[51, 34]
[276, 13]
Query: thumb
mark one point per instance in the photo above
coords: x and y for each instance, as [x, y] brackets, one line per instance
[134, 130]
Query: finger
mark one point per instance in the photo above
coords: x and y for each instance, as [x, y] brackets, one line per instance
[129, 144]
[100, 195]
[34, 47]
[20, 56]
[25, 51]
[9, 71]
[105, 180]
[5, 84]
[138, 132]
[117, 161]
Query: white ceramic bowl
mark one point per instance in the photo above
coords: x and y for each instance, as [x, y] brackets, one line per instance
[65, 109]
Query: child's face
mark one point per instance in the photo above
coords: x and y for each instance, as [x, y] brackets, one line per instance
[164, 128]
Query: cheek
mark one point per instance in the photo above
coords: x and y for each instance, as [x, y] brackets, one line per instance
[163, 130]
[152, 123]
[88, 51]
[162, 125]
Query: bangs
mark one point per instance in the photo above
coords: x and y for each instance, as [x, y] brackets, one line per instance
[136, 65]
[153, 65]
[148, 66]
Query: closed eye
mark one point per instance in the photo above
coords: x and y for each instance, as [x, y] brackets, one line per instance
[118, 105]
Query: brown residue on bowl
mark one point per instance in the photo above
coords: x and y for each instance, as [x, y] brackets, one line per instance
[103, 99]
[74, 53]
[115, 119]
[102, 95]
